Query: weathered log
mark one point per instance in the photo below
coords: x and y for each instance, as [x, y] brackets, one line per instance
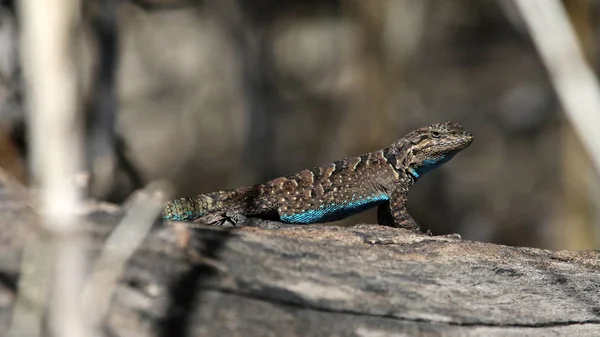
[365, 280]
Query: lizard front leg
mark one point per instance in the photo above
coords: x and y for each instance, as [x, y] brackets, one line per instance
[395, 214]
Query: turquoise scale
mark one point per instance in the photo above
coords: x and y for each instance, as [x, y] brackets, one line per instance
[186, 216]
[430, 164]
[333, 212]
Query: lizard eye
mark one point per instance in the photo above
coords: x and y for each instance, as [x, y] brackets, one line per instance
[435, 134]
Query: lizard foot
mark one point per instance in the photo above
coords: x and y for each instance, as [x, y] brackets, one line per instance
[220, 219]
[454, 236]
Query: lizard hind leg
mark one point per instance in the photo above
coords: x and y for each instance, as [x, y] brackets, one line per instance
[221, 219]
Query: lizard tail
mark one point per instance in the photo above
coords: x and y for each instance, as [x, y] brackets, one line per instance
[188, 208]
[192, 208]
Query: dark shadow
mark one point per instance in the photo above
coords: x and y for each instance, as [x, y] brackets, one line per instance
[103, 142]
[102, 105]
[185, 291]
[9, 281]
[126, 165]
[118, 193]
[104, 24]
[150, 5]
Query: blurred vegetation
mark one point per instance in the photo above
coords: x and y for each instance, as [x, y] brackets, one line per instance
[215, 94]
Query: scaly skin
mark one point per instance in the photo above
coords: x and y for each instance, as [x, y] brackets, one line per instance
[337, 190]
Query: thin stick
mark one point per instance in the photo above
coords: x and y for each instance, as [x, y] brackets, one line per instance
[54, 261]
[144, 207]
[576, 85]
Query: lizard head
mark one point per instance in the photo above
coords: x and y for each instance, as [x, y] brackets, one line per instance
[426, 148]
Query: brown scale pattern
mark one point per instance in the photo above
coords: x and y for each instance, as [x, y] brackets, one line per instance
[335, 183]
[338, 189]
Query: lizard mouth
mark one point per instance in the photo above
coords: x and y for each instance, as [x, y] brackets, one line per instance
[468, 139]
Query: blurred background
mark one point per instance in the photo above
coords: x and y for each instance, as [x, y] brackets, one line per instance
[217, 94]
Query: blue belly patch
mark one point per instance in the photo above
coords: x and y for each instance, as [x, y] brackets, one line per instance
[333, 212]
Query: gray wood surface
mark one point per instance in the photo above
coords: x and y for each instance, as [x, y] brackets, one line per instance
[365, 280]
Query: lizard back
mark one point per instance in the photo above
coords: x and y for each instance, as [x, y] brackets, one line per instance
[337, 190]
[334, 191]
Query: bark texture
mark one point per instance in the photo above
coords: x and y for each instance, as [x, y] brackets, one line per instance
[365, 280]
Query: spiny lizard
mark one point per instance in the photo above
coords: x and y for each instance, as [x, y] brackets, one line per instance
[337, 190]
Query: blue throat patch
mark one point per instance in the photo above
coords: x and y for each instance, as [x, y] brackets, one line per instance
[333, 212]
[430, 164]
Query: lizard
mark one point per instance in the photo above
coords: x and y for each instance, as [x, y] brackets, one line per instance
[337, 190]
